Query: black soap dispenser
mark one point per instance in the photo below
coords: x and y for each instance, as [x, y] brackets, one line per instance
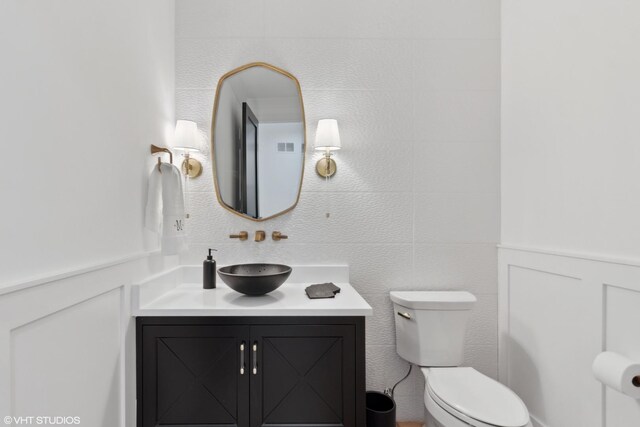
[209, 272]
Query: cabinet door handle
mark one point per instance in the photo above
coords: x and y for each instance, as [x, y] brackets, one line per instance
[255, 358]
[242, 358]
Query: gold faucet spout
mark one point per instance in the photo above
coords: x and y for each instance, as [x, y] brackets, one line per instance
[243, 235]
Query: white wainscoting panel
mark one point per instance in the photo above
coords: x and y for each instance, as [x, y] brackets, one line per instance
[68, 363]
[622, 335]
[67, 345]
[556, 313]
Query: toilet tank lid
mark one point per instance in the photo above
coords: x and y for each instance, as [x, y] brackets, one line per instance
[434, 300]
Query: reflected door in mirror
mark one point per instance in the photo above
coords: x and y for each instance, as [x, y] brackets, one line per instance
[247, 187]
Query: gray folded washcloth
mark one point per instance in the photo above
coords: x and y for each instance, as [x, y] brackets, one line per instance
[322, 290]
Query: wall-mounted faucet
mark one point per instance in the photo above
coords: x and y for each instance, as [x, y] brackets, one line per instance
[260, 236]
[277, 236]
[243, 235]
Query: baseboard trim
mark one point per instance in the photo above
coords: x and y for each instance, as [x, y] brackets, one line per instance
[536, 422]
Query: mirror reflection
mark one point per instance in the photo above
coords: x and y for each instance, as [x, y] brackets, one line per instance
[258, 141]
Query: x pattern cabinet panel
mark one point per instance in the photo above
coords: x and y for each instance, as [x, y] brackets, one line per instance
[251, 372]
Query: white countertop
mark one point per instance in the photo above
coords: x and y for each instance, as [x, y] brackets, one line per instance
[178, 293]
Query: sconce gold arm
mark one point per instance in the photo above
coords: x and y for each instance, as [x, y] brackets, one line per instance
[326, 166]
[191, 167]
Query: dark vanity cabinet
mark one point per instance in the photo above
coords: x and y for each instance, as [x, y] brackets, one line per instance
[250, 371]
[189, 374]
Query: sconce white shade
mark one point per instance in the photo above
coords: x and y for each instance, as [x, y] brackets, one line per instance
[186, 137]
[327, 135]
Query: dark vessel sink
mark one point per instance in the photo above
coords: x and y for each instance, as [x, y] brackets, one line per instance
[254, 279]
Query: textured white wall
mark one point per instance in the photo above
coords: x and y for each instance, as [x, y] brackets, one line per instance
[570, 152]
[86, 87]
[415, 87]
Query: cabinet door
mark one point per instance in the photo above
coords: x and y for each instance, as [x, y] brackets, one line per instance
[303, 375]
[193, 375]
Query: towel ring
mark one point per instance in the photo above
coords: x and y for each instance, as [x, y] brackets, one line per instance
[155, 149]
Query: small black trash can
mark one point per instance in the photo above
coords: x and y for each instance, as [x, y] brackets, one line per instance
[381, 410]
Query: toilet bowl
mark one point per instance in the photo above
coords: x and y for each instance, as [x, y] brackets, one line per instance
[462, 397]
[430, 329]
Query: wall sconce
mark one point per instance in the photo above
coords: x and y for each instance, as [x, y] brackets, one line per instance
[188, 141]
[327, 139]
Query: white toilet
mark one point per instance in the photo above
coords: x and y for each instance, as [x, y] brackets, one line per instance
[430, 330]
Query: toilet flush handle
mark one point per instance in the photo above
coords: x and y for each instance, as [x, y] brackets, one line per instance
[405, 315]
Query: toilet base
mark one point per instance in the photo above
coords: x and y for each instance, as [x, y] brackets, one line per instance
[431, 422]
[436, 416]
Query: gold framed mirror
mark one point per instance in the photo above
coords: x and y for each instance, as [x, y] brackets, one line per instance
[258, 141]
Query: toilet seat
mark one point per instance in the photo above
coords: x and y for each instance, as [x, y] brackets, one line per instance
[473, 398]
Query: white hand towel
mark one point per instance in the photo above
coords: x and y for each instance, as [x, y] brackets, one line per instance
[174, 235]
[153, 210]
[164, 213]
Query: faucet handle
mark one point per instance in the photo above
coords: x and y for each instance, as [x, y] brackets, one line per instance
[260, 236]
[243, 235]
[276, 235]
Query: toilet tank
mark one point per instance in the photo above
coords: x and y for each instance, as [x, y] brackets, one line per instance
[431, 326]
